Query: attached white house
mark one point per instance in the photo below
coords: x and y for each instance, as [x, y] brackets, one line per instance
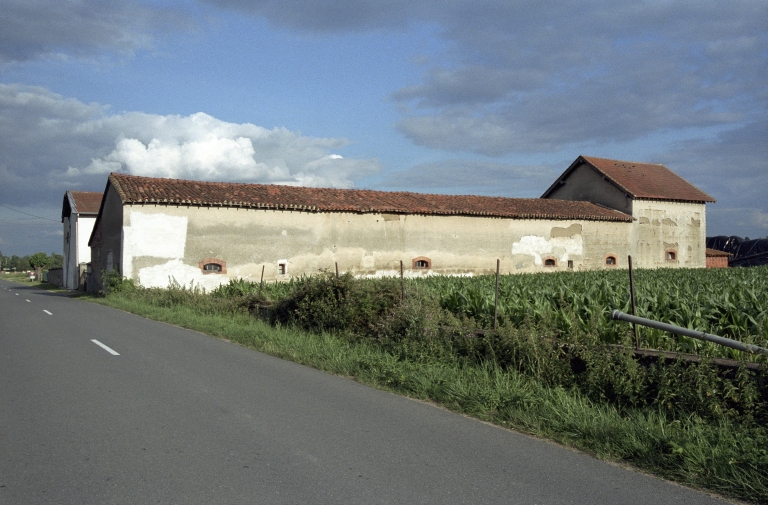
[78, 214]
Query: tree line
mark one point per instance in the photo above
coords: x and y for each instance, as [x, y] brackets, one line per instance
[35, 261]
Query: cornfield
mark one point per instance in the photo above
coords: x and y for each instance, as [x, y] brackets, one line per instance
[731, 303]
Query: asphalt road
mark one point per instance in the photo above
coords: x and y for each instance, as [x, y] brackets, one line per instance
[179, 417]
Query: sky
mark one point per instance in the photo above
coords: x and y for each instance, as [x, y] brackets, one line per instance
[486, 97]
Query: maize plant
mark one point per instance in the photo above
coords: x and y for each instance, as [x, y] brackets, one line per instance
[732, 303]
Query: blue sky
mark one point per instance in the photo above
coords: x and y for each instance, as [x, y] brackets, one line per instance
[491, 97]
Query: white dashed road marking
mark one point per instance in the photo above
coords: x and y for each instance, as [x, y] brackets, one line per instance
[47, 312]
[110, 351]
[29, 301]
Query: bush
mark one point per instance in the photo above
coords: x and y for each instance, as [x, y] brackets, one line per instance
[115, 283]
[341, 304]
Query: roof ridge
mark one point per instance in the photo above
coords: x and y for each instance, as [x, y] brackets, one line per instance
[261, 184]
[622, 161]
[142, 189]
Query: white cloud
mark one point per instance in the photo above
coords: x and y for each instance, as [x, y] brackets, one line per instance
[49, 143]
[201, 147]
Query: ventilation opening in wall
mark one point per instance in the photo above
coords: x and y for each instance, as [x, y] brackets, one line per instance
[282, 267]
[550, 262]
[610, 261]
[213, 266]
[421, 263]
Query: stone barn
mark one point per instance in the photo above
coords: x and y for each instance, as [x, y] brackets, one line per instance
[669, 215]
[160, 230]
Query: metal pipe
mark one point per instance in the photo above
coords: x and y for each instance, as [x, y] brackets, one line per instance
[617, 315]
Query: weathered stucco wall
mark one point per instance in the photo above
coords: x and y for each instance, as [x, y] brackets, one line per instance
[661, 227]
[69, 264]
[168, 241]
[106, 247]
[585, 183]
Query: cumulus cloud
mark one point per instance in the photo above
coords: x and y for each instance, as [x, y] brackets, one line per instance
[49, 144]
[202, 147]
[31, 29]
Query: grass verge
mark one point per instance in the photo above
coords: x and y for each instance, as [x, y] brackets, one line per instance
[24, 280]
[720, 456]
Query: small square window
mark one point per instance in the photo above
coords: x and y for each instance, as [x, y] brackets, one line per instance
[671, 255]
[611, 261]
[570, 263]
[282, 268]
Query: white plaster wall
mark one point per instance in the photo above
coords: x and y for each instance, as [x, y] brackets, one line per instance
[560, 248]
[154, 235]
[660, 226]
[161, 276]
[84, 229]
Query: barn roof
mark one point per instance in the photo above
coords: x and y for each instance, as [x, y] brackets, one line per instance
[136, 189]
[81, 202]
[640, 180]
[86, 202]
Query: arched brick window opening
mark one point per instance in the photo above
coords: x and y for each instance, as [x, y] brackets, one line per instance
[670, 255]
[611, 261]
[550, 262]
[213, 266]
[421, 263]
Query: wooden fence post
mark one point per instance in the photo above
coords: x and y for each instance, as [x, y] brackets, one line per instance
[632, 297]
[496, 298]
[402, 282]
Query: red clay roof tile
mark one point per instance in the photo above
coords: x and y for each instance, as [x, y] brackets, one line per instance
[648, 180]
[86, 202]
[136, 189]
